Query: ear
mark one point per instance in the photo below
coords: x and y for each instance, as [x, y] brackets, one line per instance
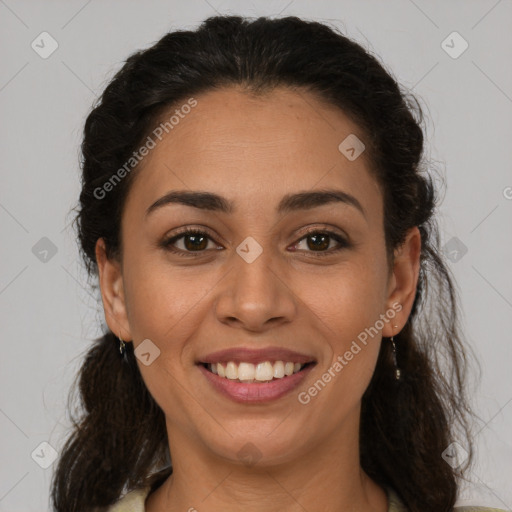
[112, 292]
[403, 281]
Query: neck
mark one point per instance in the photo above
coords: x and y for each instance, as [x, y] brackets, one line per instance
[326, 477]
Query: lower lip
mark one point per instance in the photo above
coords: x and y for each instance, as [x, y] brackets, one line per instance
[253, 392]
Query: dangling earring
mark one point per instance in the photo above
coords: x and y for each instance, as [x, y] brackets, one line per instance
[397, 370]
[122, 349]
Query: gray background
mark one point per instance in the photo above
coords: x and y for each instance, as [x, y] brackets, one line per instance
[48, 312]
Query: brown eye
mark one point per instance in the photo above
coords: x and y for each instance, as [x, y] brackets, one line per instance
[194, 242]
[319, 241]
[191, 240]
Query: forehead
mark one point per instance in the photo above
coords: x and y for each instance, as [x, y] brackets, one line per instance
[253, 150]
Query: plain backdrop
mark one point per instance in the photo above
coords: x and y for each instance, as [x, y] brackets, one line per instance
[49, 314]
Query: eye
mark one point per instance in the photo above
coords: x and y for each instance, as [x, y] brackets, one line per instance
[191, 239]
[319, 241]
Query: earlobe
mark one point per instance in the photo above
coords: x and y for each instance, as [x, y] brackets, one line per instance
[404, 280]
[112, 292]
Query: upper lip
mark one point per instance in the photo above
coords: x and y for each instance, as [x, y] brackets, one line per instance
[247, 355]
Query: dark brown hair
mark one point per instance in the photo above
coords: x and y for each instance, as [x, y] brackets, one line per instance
[119, 440]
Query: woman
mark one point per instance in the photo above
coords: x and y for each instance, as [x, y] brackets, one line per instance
[255, 208]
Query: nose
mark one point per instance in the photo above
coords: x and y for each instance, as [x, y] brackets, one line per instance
[256, 296]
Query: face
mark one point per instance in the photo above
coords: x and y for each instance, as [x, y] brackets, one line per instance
[270, 273]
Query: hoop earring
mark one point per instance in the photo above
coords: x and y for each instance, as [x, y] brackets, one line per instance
[398, 373]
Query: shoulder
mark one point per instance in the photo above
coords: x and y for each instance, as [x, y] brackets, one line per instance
[132, 501]
[475, 508]
[396, 505]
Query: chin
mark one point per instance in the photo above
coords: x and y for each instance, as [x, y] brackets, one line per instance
[264, 445]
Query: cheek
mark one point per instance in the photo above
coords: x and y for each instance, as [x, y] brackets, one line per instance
[350, 304]
[162, 300]
[349, 299]
[164, 306]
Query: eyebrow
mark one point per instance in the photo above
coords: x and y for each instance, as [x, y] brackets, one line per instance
[291, 202]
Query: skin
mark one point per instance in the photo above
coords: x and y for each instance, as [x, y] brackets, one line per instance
[253, 151]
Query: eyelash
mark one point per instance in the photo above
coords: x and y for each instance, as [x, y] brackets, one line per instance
[167, 243]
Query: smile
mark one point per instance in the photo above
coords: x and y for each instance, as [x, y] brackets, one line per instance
[265, 371]
[260, 383]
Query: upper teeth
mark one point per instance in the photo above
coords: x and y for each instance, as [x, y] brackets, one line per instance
[248, 372]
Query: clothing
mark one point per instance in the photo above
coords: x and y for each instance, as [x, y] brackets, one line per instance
[134, 502]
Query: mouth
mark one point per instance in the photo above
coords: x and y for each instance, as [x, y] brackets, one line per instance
[263, 372]
[255, 383]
